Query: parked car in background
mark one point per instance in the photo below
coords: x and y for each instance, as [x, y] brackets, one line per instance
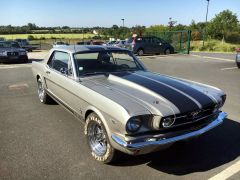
[83, 43]
[2, 39]
[238, 57]
[149, 45]
[109, 43]
[96, 42]
[125, 107]
[60, 44]
[121, 44]
[10, 51]
[24, 43]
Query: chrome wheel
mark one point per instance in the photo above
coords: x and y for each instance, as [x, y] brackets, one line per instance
[167, 52]
[41, 91]
[97, 138]
[140, 52]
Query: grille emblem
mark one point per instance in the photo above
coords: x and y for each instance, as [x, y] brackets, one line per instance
[194, 114]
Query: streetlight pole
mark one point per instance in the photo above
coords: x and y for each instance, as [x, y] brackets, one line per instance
[123, 26]
[206, 21]
[123, 21]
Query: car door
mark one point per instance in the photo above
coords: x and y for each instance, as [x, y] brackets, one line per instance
[147, 45]
[157, 45]
[59, 76]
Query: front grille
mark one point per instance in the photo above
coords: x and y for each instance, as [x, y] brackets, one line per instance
[12, 53]
[182, 129]
[193, 116]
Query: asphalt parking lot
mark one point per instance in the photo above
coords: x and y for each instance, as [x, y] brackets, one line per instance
[46, 142]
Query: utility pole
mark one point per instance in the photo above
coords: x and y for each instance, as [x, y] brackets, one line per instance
[205, 22]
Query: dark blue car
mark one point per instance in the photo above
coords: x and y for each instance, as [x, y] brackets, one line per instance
[238, 58]
[149, 45]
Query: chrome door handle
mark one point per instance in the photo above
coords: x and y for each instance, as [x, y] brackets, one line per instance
[48, 72]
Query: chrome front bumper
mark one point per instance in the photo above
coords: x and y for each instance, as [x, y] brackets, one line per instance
[144, 147]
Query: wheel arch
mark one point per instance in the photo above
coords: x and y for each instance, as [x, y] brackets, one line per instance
[92, 109]
[39, 76]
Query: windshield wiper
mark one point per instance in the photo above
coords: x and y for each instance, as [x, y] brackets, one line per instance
[93, 73]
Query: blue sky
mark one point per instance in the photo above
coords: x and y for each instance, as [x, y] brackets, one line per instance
[89, 13]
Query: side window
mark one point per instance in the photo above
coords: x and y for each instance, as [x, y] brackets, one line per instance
[156, 40]
[60, 61]
[146, 40]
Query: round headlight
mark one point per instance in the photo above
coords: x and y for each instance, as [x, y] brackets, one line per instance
[167, 122]
[133, 124]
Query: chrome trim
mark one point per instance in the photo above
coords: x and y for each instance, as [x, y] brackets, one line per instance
[193, 121]
[165, 141]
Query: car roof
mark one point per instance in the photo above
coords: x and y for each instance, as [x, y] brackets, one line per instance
[84, 48]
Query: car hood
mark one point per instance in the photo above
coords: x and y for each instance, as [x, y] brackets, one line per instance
[143, 92]
[11, 49]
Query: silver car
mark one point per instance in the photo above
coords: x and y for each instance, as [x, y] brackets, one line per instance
[120, 44]
[126, 108]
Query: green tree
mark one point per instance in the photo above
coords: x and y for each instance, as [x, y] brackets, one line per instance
[156, 28]
[221, 24]
[139, 30]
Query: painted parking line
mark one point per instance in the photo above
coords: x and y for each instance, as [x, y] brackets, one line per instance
[230, 68]
[215, 58]
[230, 171]
[15, 66]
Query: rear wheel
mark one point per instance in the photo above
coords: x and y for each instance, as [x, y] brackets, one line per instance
[98, 141]
[140, 52]
[167, 51]
[42, 95]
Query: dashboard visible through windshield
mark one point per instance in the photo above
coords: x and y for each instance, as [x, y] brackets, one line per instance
[89, 63]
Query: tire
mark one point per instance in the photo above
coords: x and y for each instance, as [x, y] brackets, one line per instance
[140, 52]
[42, 95]
[25, 60]
[98, 140]
[238, 65]
[167, 51]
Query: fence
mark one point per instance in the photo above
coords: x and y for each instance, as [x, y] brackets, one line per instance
[180, 40]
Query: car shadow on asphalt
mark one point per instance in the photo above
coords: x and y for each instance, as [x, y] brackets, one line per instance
[213, 149]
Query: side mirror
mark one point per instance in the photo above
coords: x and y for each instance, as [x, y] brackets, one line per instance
[63, 70]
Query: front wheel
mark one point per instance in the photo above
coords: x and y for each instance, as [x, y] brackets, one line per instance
[42, 95]
[98, 141]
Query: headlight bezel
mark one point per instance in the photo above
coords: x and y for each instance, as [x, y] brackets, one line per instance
[134, 124]
[172, 121]
[22, 53]
[3, 53]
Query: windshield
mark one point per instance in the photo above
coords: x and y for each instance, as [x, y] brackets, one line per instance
[105, 62]
[111, 42]
[7, 44]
